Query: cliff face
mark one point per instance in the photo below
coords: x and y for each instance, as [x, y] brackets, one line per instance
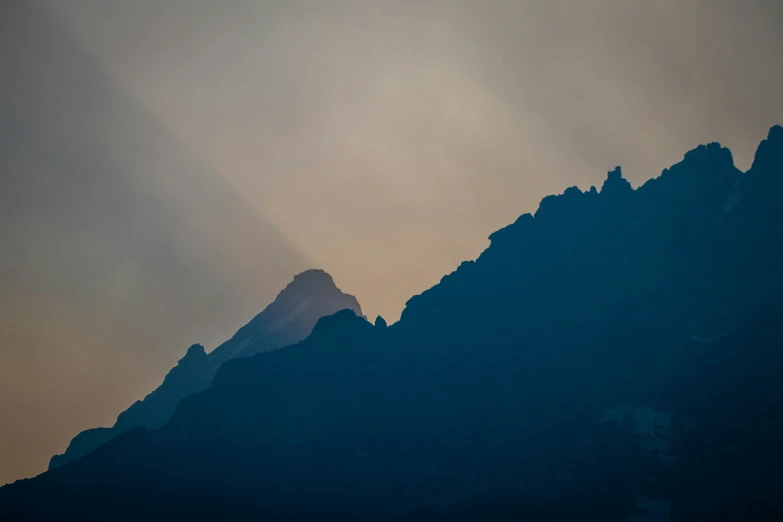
[287, 320]
[615, 356]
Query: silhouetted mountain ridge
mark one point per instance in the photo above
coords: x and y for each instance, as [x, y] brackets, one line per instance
[111, 230]
[613, 357]
[312, 290]
[287, 320]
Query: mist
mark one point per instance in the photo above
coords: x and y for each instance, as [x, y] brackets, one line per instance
[168, 166]
[120, 248]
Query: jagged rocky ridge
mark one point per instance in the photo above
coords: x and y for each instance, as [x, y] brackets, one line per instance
[614, 357]
[287, 320]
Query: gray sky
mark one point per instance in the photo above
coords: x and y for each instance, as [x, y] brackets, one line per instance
[381, 141]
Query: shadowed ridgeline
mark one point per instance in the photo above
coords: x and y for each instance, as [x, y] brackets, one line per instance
[614, 357]
[287, 320]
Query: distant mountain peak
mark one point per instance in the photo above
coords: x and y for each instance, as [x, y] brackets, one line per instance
[615, 175]
[290, 318]
[769, 154]
[615, 183]
[706, 168]
[713, 152]
[341, 323]
[309, 282]
[314, 276]
[196, 351]
[298, 295]
[775, 134]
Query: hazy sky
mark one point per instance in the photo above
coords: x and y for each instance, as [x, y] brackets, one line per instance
[381, 141]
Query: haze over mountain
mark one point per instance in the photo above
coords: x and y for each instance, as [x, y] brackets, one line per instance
[167, 167]
[118, 246]
[287, 320]
[387, 139]
[615, 356]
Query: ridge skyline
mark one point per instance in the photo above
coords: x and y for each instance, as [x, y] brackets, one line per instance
[589, 364]
[712, 153]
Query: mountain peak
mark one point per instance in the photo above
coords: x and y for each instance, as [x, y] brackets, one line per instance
[705, 166]
[195, 352]
[615, 183]
[709, 155]
[289, 319]
[311, 295]
[308, 284]
[769, 154]
[338, 323]
[314, 276]
[615, 175]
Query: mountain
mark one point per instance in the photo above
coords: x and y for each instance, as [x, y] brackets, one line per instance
[111, 230]
[287, 320]
[613, 357]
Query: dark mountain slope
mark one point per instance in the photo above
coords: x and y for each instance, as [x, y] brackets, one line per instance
[115, 241]
[615, 357]
[287, 320]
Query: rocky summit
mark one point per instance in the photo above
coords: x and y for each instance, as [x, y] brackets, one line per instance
[287, 320]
